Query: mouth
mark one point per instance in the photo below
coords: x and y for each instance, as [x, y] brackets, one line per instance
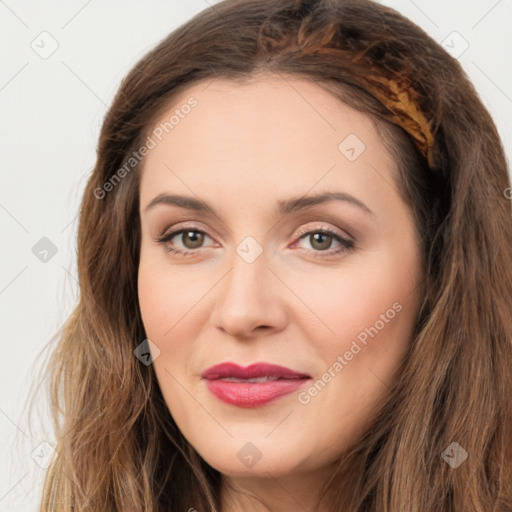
[268, 378]
[254, 371]
[253, 386]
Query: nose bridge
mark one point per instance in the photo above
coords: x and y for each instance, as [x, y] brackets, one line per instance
[247, 282]
[248, 295]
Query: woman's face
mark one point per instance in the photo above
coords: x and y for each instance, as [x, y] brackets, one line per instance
[264, 282]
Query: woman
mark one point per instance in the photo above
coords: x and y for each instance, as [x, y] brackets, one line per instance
[294, 264]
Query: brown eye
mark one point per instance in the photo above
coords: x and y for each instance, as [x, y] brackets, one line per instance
[320, 241]
[183, 241]
[192, 239]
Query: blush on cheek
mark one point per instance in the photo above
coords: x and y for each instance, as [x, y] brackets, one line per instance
[382, 333]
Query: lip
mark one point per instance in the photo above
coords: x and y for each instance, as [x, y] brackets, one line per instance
[253, 371]
[252, 394]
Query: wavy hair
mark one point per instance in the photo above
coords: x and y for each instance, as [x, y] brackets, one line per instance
[118, 447]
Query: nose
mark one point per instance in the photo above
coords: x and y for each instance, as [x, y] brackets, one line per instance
[250, 299]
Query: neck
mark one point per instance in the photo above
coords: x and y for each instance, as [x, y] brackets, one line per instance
[266, 493]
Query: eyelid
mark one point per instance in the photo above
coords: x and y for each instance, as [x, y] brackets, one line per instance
[192, 225]
[308, 228]
[183, 226]
[343, 238]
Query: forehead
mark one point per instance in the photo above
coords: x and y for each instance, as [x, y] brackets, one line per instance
[276, 133]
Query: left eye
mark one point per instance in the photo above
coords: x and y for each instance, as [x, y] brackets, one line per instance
[321, 240]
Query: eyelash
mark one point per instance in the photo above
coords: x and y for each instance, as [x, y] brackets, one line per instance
[346, 245]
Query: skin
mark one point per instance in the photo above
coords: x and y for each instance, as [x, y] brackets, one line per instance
[242, 149]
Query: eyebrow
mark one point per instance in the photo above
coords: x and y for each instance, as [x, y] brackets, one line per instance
[283, 207]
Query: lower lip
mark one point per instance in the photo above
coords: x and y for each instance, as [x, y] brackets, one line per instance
[252, 394]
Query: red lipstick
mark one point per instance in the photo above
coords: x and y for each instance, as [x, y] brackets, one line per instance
[254, 385]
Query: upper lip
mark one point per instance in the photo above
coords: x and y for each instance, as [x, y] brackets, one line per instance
[253, 371]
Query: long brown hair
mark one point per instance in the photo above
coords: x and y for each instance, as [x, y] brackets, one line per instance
[118, 446]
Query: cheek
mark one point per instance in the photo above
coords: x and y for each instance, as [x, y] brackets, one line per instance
[166, 297]
[366, 317]
[175, 309]
[344, 303]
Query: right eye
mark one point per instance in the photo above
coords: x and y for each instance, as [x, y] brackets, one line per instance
[189, 235]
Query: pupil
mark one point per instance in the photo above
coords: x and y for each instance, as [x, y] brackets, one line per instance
[323, 245]
[193, 235]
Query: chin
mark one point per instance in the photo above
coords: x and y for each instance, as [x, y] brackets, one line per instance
[252, 459]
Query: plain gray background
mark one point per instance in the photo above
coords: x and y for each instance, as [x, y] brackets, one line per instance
[61, 65]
